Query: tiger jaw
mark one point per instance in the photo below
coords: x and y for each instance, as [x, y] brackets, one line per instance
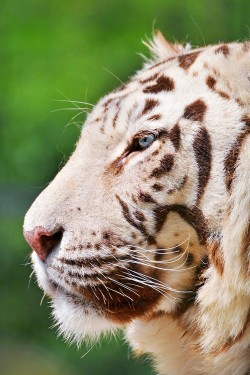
[75, 317]
[111, 295]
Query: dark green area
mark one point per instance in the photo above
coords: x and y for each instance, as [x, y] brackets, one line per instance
[50, 51]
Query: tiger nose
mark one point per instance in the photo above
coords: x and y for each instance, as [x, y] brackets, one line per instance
[43, 241]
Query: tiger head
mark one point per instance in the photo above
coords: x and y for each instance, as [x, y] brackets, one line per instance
[150, 215]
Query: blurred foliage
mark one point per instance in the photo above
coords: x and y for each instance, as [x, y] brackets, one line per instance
[51, 51]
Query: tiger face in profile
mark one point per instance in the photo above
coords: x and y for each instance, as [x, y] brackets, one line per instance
[147, 226]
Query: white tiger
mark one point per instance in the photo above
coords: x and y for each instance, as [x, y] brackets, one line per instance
[147, 226]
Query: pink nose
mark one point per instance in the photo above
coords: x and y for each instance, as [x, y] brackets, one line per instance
[42, 241]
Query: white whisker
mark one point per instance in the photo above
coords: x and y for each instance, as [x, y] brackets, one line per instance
[113, 75]
[27, 264]
[103, 297]
[74, 102]
[93, 290]
[30, 277]
[122, 294]
[78, 114]
[157, 282]
[83, 110]
[84, 355]
[166, 261]
[105, 286]
[177, 269]
[161, 249]
[44, 294]
[144, 282]
[123, 285]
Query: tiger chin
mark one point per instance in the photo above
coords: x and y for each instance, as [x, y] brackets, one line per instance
[147, 226]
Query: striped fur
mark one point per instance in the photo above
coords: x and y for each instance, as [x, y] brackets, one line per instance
[157, 240]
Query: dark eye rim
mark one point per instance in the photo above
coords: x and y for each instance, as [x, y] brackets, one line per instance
[135, 146]
[132, 147]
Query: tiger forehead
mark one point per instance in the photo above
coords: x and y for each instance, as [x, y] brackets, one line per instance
[163, 89]
[162, 77]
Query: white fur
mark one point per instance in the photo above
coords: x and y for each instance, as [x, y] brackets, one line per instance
[212, 336]
[79, 322]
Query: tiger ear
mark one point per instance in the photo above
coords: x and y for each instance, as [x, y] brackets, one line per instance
[161, 48]
[224, 299]
[234, 65]
[242, 75]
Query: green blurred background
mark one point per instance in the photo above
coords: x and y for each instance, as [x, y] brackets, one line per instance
[52, 50]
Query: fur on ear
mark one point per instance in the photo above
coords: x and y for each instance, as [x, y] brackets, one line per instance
[224, 299]
[234, 63]
[238, 71]
[161, 48]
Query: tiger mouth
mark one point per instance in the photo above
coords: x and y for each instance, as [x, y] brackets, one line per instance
[117, 292]
[116, 304]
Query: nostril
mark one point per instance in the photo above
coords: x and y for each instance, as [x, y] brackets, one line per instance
[48, 242]
[43, 241]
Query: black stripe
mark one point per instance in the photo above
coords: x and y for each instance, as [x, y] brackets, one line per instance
[203, 154]
[193, 216]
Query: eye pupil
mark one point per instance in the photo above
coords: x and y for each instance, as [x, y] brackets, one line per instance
[146, 140]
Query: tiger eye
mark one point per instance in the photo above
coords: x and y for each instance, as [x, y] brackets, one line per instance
[146, 141]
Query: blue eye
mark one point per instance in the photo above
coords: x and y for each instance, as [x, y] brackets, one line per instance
[146, 141]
